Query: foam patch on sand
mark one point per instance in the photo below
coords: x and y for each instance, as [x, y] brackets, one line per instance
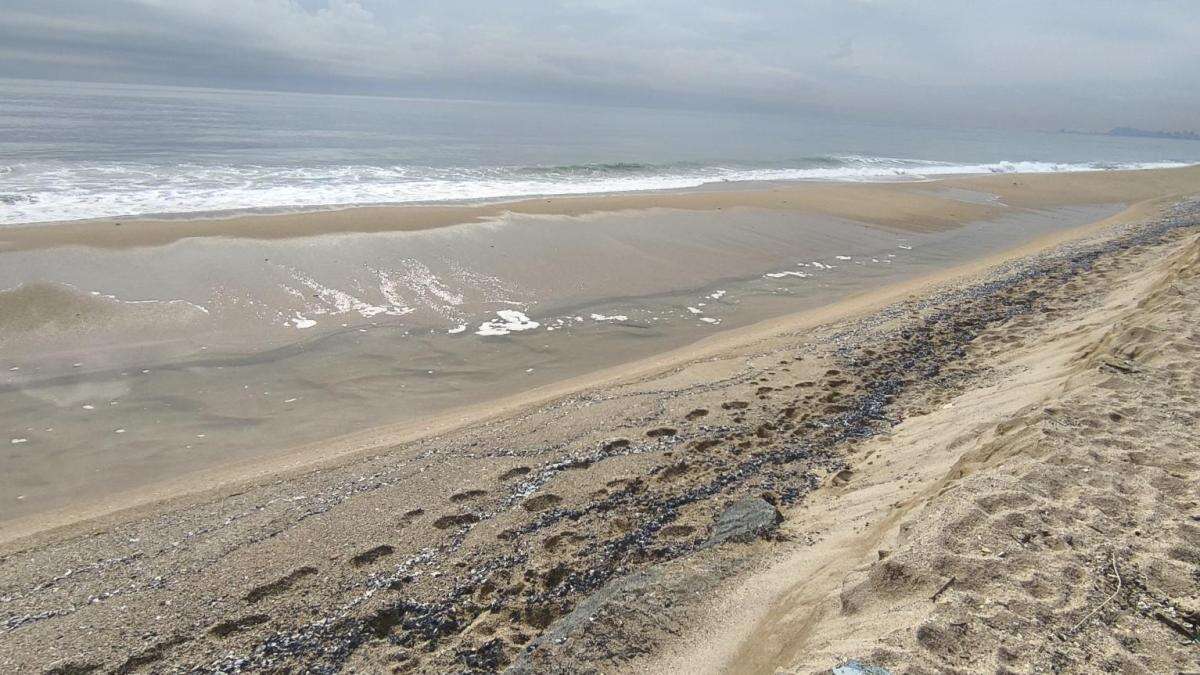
[333, 301]
[178, 303]
[428, 289]
[390, 290]
[492, 289]
[614, 317]
[509, 321]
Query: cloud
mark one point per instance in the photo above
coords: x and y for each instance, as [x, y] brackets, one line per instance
[1032, 62]
[845, 51]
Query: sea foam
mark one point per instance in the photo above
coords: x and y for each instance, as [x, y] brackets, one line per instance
[509, 321]
[33, 192]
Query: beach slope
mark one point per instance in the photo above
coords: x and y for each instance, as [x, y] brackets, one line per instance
[1038, 514]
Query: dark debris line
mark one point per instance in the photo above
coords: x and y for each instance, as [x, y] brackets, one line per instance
[917, 352]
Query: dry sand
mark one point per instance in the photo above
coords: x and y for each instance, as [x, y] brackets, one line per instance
[1025, 434]
[1041, 519]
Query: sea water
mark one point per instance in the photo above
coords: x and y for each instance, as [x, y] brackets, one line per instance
[83, 150]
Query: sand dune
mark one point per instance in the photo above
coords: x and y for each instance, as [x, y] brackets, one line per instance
[1042, 518]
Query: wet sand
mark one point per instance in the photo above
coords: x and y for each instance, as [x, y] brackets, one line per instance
[172, 368]
[956, 459]
[905, 206]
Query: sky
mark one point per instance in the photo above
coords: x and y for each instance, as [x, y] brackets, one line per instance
[1080, 64]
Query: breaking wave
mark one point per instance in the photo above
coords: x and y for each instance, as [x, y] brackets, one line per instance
[45, 192]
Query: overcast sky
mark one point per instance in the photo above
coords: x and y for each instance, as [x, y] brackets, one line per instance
[1027, 63]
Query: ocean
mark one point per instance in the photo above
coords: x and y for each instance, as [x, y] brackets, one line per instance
[80, 150]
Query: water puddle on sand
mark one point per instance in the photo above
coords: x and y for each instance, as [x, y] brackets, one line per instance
[124, 368]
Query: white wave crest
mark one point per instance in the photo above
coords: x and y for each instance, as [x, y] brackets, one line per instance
[57, 192]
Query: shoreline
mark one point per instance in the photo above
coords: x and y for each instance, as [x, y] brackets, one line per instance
[333, 452]
[725, 185]
[909, 208]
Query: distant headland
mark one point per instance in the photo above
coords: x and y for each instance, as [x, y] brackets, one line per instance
[1139, 133]
[1143, 133]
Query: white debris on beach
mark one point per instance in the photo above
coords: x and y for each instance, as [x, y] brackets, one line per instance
[302, 322]
[510, 321]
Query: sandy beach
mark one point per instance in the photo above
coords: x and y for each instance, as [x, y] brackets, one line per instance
[140, 368]
[932, 461]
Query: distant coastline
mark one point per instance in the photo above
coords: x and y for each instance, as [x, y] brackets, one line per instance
[1133, 132]
[1143, 133]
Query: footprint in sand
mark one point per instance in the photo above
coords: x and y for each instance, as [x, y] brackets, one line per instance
[280, 585]
[411, 516]
[564, 538]
[455, 520]
[673, 471]
[515, 472]
[619, 483]
[371, 555]
[227, 628]
[541, 502]
[675, 531]
[467, 496]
